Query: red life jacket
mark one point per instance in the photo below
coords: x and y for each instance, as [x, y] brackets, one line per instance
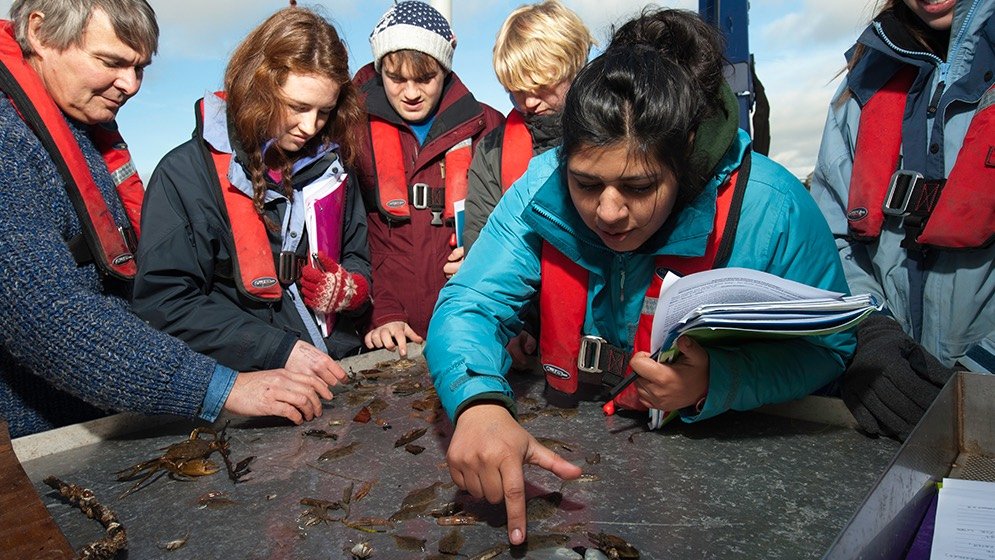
[945, 208]
[392, 180]
[107, 245]
[516, 149]
[564, 288]
[255, 271]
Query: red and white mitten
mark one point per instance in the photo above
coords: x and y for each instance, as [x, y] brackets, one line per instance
[333, 288]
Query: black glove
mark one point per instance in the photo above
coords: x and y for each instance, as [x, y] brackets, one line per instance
[892, 380]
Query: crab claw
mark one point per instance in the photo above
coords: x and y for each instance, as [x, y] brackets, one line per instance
[197, 467]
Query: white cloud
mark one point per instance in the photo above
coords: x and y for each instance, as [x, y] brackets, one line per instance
[799, 96]
[816, 22]
[600, 15]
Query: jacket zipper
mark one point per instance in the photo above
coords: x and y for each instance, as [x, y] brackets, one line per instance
[955, 52]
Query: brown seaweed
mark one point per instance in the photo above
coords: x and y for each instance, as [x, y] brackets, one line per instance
[430, 402]
[543, 507]
[367, 524]
[422, 496]
[492, 552]
[538, 542]
[455, 520]
[320, 434]
[411, 544]
[408, 387]
[339, 452]
[410, 436]
[416, 502]
[452, 542]
[363, 416]
[376, 406]
[214, 500]
[447, 509]
[363, 490]
[527, 417]
[555, 444]
[556, 412]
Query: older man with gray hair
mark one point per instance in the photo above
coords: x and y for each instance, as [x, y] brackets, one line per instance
[70, 349]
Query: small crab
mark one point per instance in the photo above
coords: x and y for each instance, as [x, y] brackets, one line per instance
[186, 459]
[614, 546]
[362, 551]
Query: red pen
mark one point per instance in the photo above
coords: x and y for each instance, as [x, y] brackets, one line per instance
[609, 407]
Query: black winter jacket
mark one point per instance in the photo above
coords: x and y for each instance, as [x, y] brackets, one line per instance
[186, 286]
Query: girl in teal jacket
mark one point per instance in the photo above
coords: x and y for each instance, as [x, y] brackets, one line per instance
[648, 139]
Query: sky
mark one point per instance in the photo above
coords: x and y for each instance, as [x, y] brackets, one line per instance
[798, 47]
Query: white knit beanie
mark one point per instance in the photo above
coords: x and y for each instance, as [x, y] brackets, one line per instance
[416, 26]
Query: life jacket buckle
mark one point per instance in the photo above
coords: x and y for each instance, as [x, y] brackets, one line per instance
[437, 218]
[420, 196]
[289, 269]
[589, 356]
[599, 357]
[901, 189]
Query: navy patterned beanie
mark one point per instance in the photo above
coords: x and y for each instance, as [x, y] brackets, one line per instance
[416, 26]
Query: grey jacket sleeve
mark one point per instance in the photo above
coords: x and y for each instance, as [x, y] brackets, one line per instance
[483, 185]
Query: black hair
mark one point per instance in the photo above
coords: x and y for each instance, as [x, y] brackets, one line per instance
[654, 85]
[683, 38]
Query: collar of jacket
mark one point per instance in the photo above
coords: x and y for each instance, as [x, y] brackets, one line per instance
[889, 46]
[715, 135]
[553, 216]
[546, 131]
[457, 106]
[218, 134]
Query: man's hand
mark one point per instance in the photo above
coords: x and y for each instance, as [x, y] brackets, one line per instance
[454, 261]
[676, 385]
[277, 392]
[392, 335]
[486, 456]
[305, 359]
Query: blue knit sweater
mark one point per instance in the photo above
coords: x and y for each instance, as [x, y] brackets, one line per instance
[70, 349]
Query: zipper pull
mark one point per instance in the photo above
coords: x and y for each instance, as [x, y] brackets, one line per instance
[934, 101]
[621, 287]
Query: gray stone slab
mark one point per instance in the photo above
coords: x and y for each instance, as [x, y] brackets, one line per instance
[743, 485]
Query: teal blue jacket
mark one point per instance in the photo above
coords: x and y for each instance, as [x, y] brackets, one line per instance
[780, 231]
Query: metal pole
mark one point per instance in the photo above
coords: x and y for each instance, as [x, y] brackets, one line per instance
[445, 8]
[731, 17]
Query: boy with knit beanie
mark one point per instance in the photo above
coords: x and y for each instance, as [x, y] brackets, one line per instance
[423, 125]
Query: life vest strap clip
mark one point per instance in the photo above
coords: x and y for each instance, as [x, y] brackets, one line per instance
[909, 193]
[597, 356]
[289, 269]
[420, 196]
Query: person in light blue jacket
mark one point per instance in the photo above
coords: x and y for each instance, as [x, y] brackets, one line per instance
[945, 300]
[940, 289]
[649, 137]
